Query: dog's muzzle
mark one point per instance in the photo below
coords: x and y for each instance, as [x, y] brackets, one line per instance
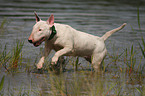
[30, 41]
[37, 43]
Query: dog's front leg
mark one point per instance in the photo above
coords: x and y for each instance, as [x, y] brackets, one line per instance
[41, 61]
[59, 53]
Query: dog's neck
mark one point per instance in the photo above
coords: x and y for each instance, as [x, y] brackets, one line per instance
[53, 33]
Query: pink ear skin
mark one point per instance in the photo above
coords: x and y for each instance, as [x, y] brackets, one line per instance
[50, 20]
[37, 17]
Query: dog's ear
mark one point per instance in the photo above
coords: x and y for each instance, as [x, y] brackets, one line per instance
[37, 17]
[50, 20]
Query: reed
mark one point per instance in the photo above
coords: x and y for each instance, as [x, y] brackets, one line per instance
[138, 18]
[4, 58]
[88, 83]
[17, 55]
[143, 42]
[76, 64]
[11, 59]
[142, 48]
[80, 83]
[130, 59]
[116, 56]
[3, 25]
[2, 83]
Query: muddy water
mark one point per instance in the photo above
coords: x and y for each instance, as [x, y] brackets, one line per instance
[91, 16]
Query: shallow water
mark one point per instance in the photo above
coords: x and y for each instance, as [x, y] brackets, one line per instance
[91, 16]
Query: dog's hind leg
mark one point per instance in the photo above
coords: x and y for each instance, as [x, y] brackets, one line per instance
[97, 60]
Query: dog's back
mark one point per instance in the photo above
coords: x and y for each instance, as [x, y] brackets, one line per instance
[83, 43]
[69, 41]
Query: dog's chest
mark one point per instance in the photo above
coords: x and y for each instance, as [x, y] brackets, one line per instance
[57, 47]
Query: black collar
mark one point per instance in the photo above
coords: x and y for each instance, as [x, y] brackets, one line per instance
[52, 33]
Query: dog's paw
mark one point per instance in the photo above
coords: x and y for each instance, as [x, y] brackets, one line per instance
[39, 66]
[54, 60]
[53, 63]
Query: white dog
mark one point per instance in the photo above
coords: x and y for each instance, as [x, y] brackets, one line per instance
[67, 41]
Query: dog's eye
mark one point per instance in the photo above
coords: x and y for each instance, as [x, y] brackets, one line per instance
[40, 29]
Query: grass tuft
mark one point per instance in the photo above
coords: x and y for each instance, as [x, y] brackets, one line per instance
[2, 83]
[17, 55]
[130, 59]
[138, 19]
[11, 59]
[80, 83]
[3, 25]
[142, 48]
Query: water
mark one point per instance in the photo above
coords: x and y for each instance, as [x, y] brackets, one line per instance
[91, 16]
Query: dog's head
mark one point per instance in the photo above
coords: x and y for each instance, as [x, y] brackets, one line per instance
[41, 30]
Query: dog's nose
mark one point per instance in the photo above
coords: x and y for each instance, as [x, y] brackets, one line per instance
[30, 41]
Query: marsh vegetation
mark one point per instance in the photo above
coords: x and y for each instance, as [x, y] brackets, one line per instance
[121, 72]
[123, 68]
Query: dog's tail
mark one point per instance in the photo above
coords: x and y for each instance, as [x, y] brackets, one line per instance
[109, 33]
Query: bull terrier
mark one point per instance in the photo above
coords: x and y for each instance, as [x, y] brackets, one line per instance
[67, 41]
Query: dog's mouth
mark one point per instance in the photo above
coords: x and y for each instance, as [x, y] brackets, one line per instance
[36, 44]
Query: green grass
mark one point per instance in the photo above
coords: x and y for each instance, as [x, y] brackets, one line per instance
[80, 82]
[142, 48]
[2, 83]
[126, 80]
[10, 59]
[17, 55]
[3, 25]
[130, 59]
[4, 58]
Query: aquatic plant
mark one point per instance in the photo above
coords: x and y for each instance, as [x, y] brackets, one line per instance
[116, 55]
[132, 59]
[5, 57]
[142, 48]
[3, 25]
[127, 81]
[141, 68]
[10, 59]
[138, 18]
[2, 83]
[17, 56]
